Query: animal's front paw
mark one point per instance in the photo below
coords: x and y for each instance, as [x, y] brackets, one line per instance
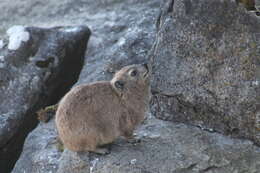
[102, 151]
[133, 140]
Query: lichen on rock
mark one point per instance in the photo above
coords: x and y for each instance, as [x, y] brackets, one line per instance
[17, 34]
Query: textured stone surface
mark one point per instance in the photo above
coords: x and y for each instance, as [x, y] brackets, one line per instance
[34, 75]
[206, 66]
[40, 153]
[74, 162]
[257, 4]
[122, 35]
[123, 32]
[162, 150]
[164, 147]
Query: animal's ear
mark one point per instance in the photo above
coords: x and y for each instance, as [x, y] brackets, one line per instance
[120, 84]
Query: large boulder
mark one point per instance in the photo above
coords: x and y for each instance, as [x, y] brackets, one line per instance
[257, 6]
[164, 147]
[123, 33]
[206, 66]
[37, 67]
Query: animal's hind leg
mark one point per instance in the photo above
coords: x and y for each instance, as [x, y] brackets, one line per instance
[92, 146]
[99, 150]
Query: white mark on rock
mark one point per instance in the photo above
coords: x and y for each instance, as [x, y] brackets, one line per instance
[145, 134]
[93, 164]
[2, 65]
[17, 34]
[133, 161]
[255, 82]
[121, 41]
[210, 129]
[1, 44]
[2, 58]
[153, 136]
[71, 29]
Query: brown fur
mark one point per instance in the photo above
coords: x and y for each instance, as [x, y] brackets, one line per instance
[91, 115]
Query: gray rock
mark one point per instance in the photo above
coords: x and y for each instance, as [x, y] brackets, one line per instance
[74, 162]
[164, 147]
[123, 32]
[41, 151]
[168, 147]
[35, 73]
[124, 36]
[257, 4]
[206, 66]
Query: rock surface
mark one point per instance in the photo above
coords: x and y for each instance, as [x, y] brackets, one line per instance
[206, 67]
[123, 33]
[257, 4]
[40, 152]
[36, 72]
[164, 147]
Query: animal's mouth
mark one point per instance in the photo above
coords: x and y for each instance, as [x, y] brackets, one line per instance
[146, 74]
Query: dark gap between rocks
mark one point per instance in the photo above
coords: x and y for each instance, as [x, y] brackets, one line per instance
[58, 85]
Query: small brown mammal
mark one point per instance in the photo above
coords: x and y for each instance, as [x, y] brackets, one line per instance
[92, 115]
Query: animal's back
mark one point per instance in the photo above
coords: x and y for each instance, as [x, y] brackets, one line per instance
[90, 116]
[84, 116]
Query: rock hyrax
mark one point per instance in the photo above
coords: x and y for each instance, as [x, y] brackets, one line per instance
[92, 115]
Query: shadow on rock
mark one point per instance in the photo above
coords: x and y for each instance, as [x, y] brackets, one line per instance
[35, 71]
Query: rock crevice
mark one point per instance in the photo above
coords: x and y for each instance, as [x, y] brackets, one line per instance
[209, 59]
[27, 87]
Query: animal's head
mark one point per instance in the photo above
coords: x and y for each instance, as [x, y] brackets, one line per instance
[131, 79]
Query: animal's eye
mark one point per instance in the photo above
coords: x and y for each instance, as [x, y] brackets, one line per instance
[133, 73]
